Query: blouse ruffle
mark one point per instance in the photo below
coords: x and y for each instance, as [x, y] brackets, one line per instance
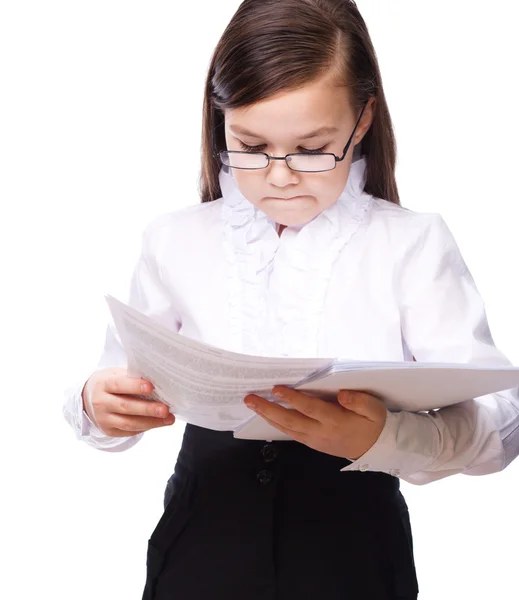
[277, 285]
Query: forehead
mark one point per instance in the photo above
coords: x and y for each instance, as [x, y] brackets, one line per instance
[295, 112]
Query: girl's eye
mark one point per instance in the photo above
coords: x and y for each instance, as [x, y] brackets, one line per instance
[317, 151]
[252, 148]
[301, 150]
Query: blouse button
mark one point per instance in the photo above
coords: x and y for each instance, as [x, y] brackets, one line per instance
[363, 468]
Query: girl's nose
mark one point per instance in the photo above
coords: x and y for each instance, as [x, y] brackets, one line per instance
[280, 175]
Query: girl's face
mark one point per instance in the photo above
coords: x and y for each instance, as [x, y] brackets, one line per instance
[282, 125]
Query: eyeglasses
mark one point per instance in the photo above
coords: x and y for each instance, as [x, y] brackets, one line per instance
[299, 161]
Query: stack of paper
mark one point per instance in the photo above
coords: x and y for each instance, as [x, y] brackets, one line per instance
[205, 385]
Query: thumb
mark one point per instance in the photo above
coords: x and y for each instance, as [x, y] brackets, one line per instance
[361, 403]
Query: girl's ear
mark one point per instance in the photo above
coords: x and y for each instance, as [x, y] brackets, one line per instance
[366, 121]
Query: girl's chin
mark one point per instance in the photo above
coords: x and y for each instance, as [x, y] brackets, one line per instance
[292, 219]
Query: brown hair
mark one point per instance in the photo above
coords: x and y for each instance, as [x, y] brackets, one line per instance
[272, 46]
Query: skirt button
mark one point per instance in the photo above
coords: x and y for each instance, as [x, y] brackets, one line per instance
[264, 477]
[269, 453]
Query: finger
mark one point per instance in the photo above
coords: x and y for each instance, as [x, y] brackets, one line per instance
[129, 405]
[361, 403]
[311, 406]
[123, 384]
[295, 435]
[287, 418]
[137, 424]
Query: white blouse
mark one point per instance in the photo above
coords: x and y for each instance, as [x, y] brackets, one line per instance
[365, 280]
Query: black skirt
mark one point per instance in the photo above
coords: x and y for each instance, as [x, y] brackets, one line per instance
[250, 520]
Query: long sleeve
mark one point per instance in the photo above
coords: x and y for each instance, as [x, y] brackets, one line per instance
[443, 320]
[148, 295]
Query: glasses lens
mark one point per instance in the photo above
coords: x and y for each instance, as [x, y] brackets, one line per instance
[311, 162]
[244, 160]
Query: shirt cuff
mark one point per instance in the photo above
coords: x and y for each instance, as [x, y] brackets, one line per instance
[73, 409]
[88, 427]
[408, 443]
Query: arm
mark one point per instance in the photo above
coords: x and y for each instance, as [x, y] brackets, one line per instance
[147, 295]
[444, 320]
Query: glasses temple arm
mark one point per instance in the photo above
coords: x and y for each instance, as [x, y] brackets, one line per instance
[346, 148]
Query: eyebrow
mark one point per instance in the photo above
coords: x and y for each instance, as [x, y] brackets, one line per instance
[308, 136]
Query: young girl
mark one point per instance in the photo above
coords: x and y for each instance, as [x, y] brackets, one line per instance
[300, 248]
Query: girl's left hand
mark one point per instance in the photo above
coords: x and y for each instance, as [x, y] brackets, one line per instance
[347, 429]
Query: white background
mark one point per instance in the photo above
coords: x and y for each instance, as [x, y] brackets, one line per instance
[100, 122]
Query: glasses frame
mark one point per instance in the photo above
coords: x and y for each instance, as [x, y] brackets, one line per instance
[287, 157]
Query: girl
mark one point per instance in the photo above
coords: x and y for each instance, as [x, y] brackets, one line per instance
[300, 248]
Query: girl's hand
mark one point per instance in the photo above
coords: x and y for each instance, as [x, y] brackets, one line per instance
[109, 400]
[347, 429]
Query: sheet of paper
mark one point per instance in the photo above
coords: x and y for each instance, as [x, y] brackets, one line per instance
[256, 428]
[409, 386]
[201, 384]
[419, 386]
[205, 385]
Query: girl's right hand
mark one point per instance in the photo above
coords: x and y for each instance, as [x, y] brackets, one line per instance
[109, 400]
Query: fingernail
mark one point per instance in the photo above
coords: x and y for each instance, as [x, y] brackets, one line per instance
[249, 401]
[278, 394]
[345, 397]
[145, 387]
[159, 412]
[168, 420]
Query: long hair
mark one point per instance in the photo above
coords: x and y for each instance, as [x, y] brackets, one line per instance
[272, 46]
